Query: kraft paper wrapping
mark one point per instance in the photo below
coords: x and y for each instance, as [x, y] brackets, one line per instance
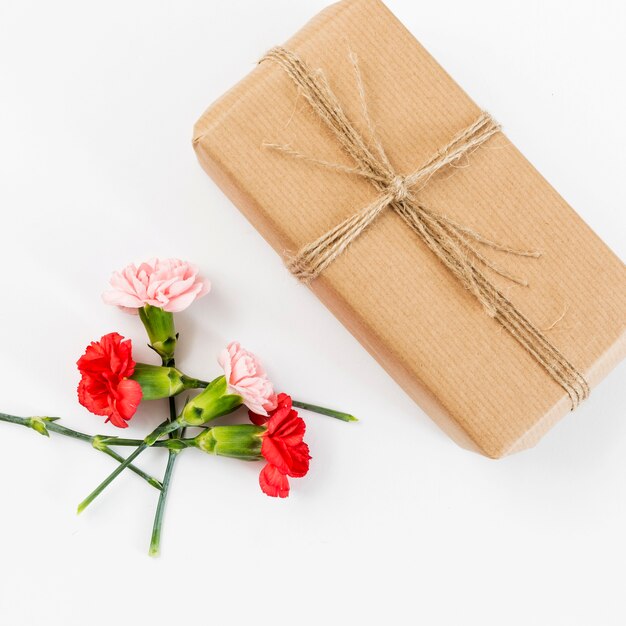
[388, 289]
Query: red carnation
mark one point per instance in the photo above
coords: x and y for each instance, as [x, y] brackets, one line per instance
[283, 448]
[105, 387]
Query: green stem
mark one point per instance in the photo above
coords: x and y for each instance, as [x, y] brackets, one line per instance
[195, 383]
[172, 399]
[164, 429]
[155, 541]
[74, 434]
[12, 419]
[345, 417]
[110, 478]
[117, 441]
[68, 432]
[162, 443]
[120, 459]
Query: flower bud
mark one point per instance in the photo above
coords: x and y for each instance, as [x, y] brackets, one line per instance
[241, 441]
[158, 382]
[159, 325]
[213, 402]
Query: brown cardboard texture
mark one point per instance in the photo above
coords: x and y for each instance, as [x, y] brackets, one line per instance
[388, 288]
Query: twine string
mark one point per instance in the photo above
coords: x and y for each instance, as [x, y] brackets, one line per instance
[455, 245]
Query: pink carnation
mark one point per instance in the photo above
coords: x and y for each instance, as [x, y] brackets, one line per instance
[247, 378]
[170, 284]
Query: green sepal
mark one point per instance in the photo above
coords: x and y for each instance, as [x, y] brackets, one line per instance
[38, 424]
[159, 325]
[176, 445]
[158, 382]
[99, 442]
[240, 441]
[164, 429]
[213, 402]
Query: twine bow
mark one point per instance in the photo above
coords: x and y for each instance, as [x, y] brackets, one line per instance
[455, 245]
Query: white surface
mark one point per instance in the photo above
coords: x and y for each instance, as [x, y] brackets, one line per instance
[394, 522]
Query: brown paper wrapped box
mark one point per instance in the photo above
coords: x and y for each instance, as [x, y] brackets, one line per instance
[388, 288]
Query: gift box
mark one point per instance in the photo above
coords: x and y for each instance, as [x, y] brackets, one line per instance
[448, 256]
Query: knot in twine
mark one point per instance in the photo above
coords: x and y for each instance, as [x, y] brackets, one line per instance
[454, 245]
[399, 188]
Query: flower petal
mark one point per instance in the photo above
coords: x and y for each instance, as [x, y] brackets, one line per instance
[129, 392]
[170, 284]
[246, 377]
[104, 388]
[287, 426]
[277, 453]
[300, 457]
[283, 406]
[273, 483]
[257, 418]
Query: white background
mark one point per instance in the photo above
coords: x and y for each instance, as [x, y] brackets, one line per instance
[394, 524]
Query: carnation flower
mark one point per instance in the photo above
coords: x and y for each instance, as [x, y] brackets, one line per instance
[169, 284]
[284, 449]
[105, 387]
[246, 377]
[283, 405]
[277, 438]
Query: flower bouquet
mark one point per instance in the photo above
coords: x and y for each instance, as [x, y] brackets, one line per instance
[113, 385]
